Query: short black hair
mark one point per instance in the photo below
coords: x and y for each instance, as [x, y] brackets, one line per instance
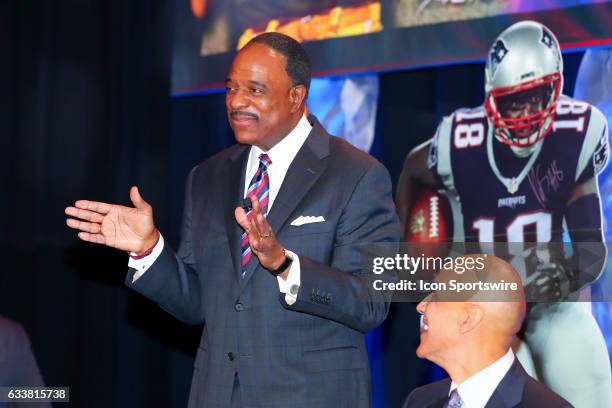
[298, 63]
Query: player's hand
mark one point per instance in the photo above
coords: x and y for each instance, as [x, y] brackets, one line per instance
[551, 284]
[262, 239]
[116, 226]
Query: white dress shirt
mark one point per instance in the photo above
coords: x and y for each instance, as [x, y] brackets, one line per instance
[477, 390]
[281, 155]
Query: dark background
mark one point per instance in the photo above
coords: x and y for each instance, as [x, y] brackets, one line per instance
[85, 112]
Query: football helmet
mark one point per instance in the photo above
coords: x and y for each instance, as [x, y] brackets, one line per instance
[523, 81]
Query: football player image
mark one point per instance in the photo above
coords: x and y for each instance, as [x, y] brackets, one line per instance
[522, 170]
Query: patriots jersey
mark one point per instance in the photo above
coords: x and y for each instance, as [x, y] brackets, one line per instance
[506, 198]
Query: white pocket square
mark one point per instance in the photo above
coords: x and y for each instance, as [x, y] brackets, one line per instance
[309, 219]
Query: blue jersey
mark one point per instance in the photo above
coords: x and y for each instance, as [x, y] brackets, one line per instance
[506, 198]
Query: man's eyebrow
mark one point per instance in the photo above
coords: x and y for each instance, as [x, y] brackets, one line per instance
[260, 84]
[252, 82]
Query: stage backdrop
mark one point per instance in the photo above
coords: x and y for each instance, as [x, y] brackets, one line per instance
[345, 36]
[594, 85]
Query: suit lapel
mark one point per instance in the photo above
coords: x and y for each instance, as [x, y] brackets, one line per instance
[440, 393]
[302, 174]
[438, 404]
[304, 171]
[233, 196]
[509, 392]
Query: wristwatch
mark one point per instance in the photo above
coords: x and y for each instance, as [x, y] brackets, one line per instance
[286, 264]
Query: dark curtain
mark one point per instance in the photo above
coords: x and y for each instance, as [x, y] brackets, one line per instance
[85, 113]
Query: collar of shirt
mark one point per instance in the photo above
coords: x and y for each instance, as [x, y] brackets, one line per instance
[281, 155]
[476, 390]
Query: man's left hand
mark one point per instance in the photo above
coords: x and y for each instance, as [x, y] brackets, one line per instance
[262, 239]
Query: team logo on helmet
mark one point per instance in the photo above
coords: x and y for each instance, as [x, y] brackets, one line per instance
[498, 52]
[521, 98]
[547, 38]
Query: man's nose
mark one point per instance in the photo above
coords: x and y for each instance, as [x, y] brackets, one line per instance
[422, 306]
[527, 110]
[238, 100]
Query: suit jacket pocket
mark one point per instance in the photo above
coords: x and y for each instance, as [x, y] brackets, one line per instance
[325, 227]
[340, 358]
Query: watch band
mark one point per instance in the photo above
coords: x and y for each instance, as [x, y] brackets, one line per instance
[286, 264]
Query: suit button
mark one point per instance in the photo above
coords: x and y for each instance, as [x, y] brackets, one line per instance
[230, 356]
[239, 307]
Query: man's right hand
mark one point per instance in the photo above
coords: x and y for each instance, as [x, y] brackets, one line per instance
[552, 283]
[116, 226]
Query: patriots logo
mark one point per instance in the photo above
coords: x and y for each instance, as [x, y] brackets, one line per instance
[547, 38]
[498, 53]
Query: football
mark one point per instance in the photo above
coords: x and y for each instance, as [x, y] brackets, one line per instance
[430, 218]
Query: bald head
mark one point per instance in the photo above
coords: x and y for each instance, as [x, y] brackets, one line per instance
[475, 326]
[503, 307]
[504, 315]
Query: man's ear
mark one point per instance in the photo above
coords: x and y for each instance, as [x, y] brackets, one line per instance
[470, 317]
[297, 97]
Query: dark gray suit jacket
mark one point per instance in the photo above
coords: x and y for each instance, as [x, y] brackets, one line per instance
[312, 353]
[516, 389]
[18, 366]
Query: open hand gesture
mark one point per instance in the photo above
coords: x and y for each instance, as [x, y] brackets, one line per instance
[116, 226]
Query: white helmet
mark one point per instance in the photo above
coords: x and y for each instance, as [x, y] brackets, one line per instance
[524, 68]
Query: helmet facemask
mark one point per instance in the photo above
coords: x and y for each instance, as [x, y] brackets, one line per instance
[523, 82]
[523, 114]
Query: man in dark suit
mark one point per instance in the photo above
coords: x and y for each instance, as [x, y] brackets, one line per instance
[279, 278]
[470, 337]
[18, 366]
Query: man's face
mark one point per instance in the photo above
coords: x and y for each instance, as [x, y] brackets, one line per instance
[439, 327]
[258, 97]
[522, 105]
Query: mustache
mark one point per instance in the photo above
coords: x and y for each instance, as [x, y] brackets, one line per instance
[234, 114]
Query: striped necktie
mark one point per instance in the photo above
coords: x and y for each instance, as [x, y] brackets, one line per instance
[259, 187]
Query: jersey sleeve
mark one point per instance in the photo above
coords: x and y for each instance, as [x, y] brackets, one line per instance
[439, 157]
[595, 148]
